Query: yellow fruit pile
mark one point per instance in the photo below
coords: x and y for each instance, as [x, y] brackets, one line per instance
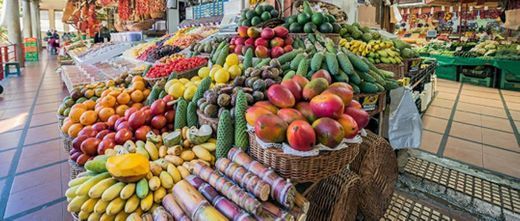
[183, 87]
[223, 74]
[111, 101]
[171, 58]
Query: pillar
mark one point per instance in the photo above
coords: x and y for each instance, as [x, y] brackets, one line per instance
[172, 19]
[35, 20]
[52, 19]
[14, 34]
[26, 9]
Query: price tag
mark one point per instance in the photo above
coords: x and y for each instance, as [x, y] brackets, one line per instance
[458, 48]
[451, 8]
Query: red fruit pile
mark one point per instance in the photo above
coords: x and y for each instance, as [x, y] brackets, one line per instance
[134, 125]
[177, 65]
[305, 113]
[266, 42]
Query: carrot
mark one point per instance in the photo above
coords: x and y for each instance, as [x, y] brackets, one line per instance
[227, 188]
[247, 180]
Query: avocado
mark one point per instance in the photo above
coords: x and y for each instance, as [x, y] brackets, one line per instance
[274, 13]
[317, 18]
[336, 28]
[246, 23]
[259, 9]
[303, 18]
[330, 18]
[295, 28]
[310, 27]
[256, 20]
[326, 28]
[267, 8]
[266, 16]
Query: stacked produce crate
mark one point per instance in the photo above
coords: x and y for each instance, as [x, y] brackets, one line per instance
[30, 49]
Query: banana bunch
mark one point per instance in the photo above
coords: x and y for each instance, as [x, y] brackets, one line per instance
[385, 56]
[362, 48]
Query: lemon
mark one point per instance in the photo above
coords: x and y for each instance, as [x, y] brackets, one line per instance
[234, 71]
[189, 84]
[213, 70]
[195, 78]
[222, 76]
[168, 84]
[176, 90]
[203, 72]
[184, 80]
[232, 59]
[226, 66]
[189, 92]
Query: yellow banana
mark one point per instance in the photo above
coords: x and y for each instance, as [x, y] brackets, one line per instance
[75, 204]
[71, 192]
[174, 172]
[84, 188]
[94, 217]
[134, 217]
[166, 180]
[201, 153]
[100, 206]
[141, 150]
[106, 217]
[162, 151]
[88, 206]
[159, 194]
[113, 192]
[184, 171]
[78, 181]
[154, 183]
[121, 216]
[147, 202]
[131, 204]
[82, 215]
[97, 190]
[127, 191]
[152, 150]
[115, 206]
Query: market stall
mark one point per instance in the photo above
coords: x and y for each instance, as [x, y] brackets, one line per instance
[266, 123]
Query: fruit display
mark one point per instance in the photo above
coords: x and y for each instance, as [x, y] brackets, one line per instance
[179, 65]
[257, 15]
[226, 67]
[265, 42]
[206, 47]
[309, 21]
[337, 12]
[324, 113]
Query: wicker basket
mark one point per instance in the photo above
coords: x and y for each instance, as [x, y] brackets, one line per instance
[203, 119]
[303, 169]
[335, 198]
[60, 120]
[368, 141]
[67, 143]
[397, 69]
[152, 81]
[140, 26]
[378, 173]
[75, 169]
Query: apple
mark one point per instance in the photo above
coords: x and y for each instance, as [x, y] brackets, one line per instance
[287, 48]
[102, 134]
[87, 131]
[242, 31]
[249, 42]
[111, 135]
[261, 52]
[130, 111]
[281, 31]
[253, 32]
[240, 41]
[112, 121]
[105, 144]
[170, 116]
[138, 118]
[277, 41]
[158, 107]
[261, 42]
[140, 133]
[288, 41]
[277, 52]
[267, 33]
[76, 143]
[123, 125]
[238, 49]
[158, 122]
[123, 135]
[99, 126]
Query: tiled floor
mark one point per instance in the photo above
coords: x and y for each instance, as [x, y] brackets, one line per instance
[475, 125]
[33, 164]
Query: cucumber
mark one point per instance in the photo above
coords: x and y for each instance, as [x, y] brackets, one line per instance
[287, 57]
[366, 77]
[262, 63]
[296, 61]
[344, 63]
[330, 47]
[341, 77]
[355, 88]
[286, 66]
[215, 54]
[248, 58]
[316, 61]
[288, 75]
[357, 62]
[222, 55]
[378, 78]
[332, 63]
[311, 38]
[354, 78]
[380, 88]
[367, 87]
[303, 67]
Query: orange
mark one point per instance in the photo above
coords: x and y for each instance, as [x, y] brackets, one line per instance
[90, 104]
[137, 105]
[137, 96]
[115, 92]
[74, 129]
[138, 85]
[66, 124]
[80, 105]
[75, 113]
[105, 113]
[108, 101]
[123, 98]
[120, 110]
[88, 118]
[105, 92]
[146, 92]
[137, 78]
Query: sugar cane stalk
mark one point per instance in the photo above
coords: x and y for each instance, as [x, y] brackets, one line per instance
[224, 205]
[247, 180]
[173, 208]
[283, 191]
[227, 188]
[194, 204]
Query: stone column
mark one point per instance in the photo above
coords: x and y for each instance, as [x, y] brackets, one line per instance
[14, 33]
[35, 20]
[26, 10]
[52, 19]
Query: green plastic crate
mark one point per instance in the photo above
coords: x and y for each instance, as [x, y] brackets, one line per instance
[30, 44]
[486, 82]
[446, 72]
[508, 85]
[511, 77]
